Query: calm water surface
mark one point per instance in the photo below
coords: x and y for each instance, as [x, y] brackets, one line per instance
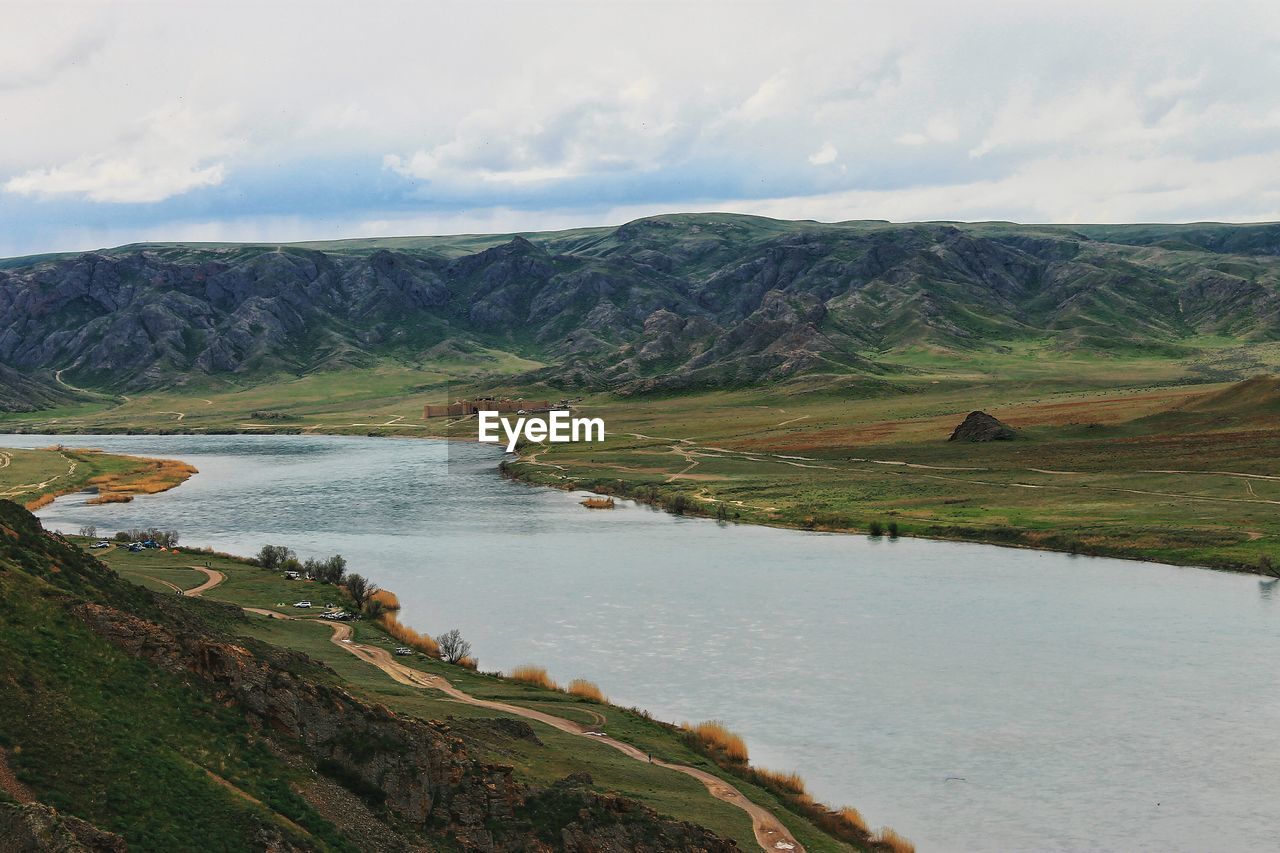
[974, 698]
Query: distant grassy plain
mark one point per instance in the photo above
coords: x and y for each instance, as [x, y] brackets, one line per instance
[1103, 464]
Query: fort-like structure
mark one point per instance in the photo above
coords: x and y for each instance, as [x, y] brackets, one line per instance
[485, 404]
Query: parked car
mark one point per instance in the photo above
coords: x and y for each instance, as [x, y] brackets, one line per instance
[403, 651]
[135, 548]
[103, 544]
[303, 604]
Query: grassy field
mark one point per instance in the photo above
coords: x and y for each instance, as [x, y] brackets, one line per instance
[1105, 463]
[35, 477]
[559, 755]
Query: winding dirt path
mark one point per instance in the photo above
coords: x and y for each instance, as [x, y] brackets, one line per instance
[770, 834]
[214, 576]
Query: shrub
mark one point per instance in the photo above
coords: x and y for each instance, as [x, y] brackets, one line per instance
[892, 841]
[679, 503]
[875, 528]
[534, 675]
[584, 689]
[469, 662]
[714, 736]
[893, 530]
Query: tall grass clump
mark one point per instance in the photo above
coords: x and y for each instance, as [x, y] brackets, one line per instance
[533, 675]
[584, 689]
[892, 841]
[876, 529]
[714, 736]
[386, 598]
[852, 818]
[413, 639]
[791, 783]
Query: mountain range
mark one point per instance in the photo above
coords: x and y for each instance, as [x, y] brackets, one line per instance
[663, 303]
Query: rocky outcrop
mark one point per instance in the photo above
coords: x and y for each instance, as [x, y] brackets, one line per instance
[37, 828]
[979, 426]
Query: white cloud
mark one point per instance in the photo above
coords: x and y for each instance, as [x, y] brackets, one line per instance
[914, 108]
[169, 153]
[824, 155]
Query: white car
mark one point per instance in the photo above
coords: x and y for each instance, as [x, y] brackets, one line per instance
[303, 604]
[103, 544]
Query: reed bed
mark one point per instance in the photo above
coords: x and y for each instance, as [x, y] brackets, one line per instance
[584, 689]
[534, 675]
[43, 500]
[386, 598]
[892, 841]
[469, 662]
[852, 818]
[413, 639]
[153, 476]
[792, 783]
[716, 737]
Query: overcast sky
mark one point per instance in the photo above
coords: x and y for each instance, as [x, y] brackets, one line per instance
[283, 121]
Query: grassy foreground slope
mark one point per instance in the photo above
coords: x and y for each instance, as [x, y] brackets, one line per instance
[158, 718]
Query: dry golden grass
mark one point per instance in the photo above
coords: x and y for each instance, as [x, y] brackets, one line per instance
[892, 841]
[109, 498]
[852, 818]
[716, 737]
[598, 503]
[535, 675]
[387, 598]
[586, 690]
[409, 637]
[151, 477]
[792, 783]
[43, 500]
[469, 662]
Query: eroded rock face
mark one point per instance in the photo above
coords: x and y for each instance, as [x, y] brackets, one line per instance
[979, 426]
[420, 770]
[37, 828]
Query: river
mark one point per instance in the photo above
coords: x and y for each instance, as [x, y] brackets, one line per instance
[972, 697]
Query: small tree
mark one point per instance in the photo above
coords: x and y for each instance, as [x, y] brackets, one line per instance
[374, 608]
[273, 556]
[330, 570]
[360, 589]
[452, 647]
[89, 531]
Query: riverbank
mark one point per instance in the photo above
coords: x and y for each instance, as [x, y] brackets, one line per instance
[1132, 460]
[725, 774]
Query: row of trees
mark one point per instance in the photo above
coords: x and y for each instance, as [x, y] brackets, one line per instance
[279, 558]
[163, 538]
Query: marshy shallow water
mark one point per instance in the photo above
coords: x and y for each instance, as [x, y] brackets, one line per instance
[972, 697]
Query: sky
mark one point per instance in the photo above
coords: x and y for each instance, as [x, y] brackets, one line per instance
[280, 121]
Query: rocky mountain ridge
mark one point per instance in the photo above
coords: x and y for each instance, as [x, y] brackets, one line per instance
[658, 304]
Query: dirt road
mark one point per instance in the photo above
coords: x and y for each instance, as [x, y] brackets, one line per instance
[214, 578]
[769, 831]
